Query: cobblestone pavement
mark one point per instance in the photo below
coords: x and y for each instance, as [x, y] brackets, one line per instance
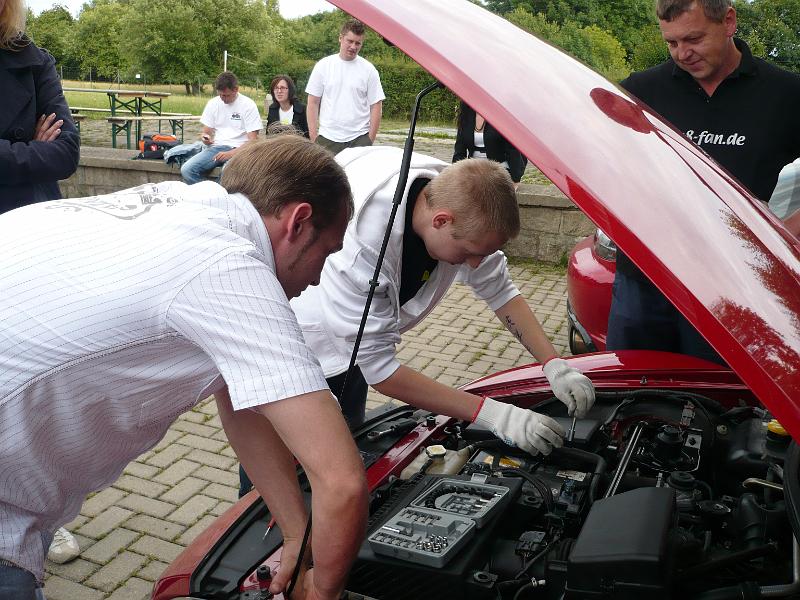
[129, 532]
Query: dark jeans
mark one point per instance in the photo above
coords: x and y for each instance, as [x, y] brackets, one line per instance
[18, 584]
[336, 147]
[641, 318]
[353, 402]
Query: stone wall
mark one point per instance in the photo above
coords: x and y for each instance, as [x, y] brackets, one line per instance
[551, 224]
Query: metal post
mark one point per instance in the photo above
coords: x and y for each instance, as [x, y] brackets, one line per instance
[224, 60]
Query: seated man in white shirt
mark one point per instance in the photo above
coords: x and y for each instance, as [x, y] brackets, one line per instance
[120, 312]
[229, 120]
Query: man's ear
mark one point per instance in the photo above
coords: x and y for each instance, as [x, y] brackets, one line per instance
[441, 218]
[298, 218]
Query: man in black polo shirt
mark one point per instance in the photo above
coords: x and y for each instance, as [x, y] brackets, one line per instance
[740, 109]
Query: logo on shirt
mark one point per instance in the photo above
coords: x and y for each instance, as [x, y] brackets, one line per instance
[716, 139]
[236, 116]
[126, 205]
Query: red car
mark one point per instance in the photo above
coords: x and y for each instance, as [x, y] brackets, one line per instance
[590, 275]
[683, 480]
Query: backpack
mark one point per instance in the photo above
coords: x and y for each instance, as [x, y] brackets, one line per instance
[152, 146]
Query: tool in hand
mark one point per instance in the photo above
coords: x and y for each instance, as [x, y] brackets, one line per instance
[571, 434]
[270, 525]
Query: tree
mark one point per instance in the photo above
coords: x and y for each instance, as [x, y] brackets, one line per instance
[183, 40]
[772, 29]
[622, 18]
[95, 37]
[592, 45]
[51, 31]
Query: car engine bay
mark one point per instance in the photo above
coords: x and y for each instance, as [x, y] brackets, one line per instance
[660, 493]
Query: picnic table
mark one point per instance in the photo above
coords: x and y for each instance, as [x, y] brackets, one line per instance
[122, 124]
[124, 102]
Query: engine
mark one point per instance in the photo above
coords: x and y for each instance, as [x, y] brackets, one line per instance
[658, 495]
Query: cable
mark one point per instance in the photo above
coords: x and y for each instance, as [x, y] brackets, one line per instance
[297, 566]
[540, 485]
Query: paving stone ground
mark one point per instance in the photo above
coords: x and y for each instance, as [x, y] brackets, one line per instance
[129, 532]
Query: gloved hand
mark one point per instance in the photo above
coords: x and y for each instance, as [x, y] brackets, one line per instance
[570, 386]
[521, 427]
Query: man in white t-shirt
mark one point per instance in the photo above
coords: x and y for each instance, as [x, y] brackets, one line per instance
[345, 96]
[120, 312]
[229, 121]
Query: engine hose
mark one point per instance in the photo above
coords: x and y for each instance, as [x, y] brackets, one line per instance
[744, 591]
[599, 466]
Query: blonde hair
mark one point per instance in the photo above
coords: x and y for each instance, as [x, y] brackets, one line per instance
[12, 25]
[288, 168]
[480, 195]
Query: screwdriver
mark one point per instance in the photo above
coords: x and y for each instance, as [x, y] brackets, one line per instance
[270, 525]
[571, 434]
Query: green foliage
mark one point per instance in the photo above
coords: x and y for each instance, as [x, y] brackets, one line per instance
[621, 18]
[592, 45]
[183, 40]
[772, 29]
[650, 49]
[402, 79]
[96, 35]
[51, 30]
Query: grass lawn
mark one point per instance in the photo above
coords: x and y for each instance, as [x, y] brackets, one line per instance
[178, 102]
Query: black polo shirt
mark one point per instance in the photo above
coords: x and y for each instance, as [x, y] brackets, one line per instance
[750, 125]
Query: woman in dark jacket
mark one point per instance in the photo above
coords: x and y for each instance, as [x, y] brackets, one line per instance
[476, 138]
[285, 107]
[38, 141]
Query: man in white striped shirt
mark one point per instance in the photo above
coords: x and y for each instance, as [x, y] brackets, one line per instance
[119, 312]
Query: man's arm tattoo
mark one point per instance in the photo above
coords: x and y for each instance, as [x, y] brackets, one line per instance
[512, 327]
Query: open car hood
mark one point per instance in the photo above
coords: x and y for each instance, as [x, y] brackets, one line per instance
[714, 250]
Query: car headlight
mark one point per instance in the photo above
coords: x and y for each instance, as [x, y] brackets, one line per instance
[604, 247]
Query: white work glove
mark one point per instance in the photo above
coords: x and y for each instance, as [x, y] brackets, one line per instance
[570, 386]
[521, 427]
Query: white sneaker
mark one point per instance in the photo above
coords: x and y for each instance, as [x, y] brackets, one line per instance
[64, 547]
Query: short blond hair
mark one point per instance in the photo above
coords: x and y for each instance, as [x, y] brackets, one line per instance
[480, 195]
[288, 168]
[12, 25]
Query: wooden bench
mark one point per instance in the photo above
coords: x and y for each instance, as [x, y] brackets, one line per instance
[86, 109]
[123, 123]
[76, 118]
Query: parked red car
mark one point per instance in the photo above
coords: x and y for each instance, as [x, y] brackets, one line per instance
[683, 480]
[590, 275]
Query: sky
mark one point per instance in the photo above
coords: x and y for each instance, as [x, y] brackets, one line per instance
[289, 8]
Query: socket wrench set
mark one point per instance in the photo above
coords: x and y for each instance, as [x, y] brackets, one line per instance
[438, 522]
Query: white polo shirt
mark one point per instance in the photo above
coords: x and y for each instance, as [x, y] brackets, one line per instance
[118, 313]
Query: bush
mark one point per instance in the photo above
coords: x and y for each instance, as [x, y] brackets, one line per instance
[402, 79]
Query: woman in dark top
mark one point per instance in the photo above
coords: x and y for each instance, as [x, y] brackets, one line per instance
[38, 141]
[285, 107]
[476, 138]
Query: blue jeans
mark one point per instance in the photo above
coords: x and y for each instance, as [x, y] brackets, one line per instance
[18, 584]
[641, 318]
[194, 170]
